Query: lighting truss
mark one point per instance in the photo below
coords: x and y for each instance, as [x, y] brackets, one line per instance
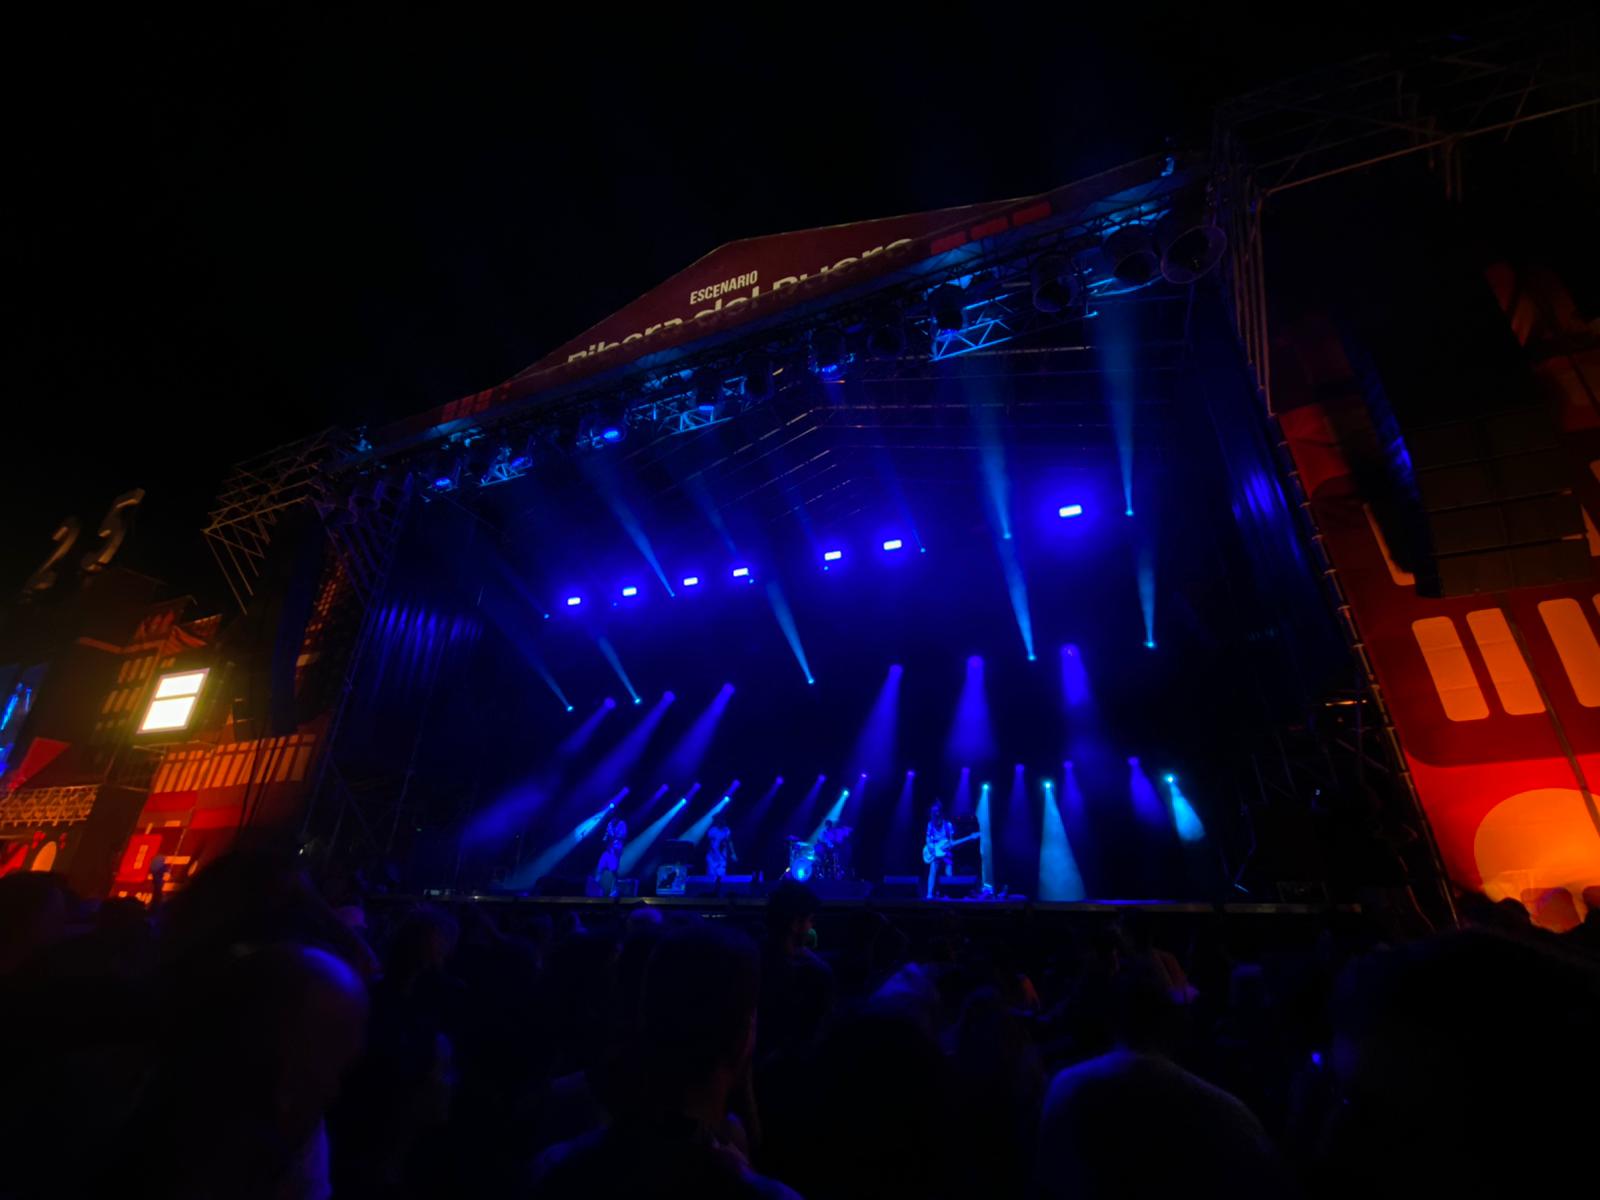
[999, 317]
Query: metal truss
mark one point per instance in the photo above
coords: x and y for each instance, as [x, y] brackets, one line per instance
[38, 807]
[255, 495]
[1427, 99]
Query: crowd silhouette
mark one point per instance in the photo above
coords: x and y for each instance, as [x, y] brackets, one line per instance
[255, 1036]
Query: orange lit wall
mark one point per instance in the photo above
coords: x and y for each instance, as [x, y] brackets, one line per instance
[1473, 703]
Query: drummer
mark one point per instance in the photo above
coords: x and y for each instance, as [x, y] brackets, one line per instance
[830, 850]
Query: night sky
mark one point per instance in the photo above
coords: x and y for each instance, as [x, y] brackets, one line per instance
[219, 237]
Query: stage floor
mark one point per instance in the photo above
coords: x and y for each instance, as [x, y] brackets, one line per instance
[1011, 905]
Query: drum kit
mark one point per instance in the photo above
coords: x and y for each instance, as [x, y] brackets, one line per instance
[826, 858]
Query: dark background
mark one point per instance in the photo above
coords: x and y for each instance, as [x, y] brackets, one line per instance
[223, 233]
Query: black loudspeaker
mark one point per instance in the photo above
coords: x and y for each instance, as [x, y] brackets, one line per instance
[731, 885]
[902, 887]
[265, 644]
[842, 889]
[1472, 491]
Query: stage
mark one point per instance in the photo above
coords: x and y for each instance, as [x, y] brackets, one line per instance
[975, 539]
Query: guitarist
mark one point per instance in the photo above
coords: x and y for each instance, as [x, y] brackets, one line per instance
[941, 835]
[719, 850]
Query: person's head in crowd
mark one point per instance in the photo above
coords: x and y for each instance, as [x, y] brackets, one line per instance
[642, 921]
[791, 911]
[1513, 914]
[698, 1016]
[253, 896]
[1144, 1016]
[1466, 1064]
[263, 1040]
[882, 1103]
[423, 944]
[35, 908]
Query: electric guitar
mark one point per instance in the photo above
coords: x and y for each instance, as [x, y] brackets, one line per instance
[942, 847]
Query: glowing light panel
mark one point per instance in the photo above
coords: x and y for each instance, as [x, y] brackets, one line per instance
[173, 702]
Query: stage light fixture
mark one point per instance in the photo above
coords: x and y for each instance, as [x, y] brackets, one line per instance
[827, 349]
[1070, 510]
[757, 371]
[741, 572]
[630, 591]
[832, 555]
[1131, 255]
[1055, 284]
[574, 601]
[1149, 644]
[893, 544]
[569, 708]
[172, 704]
[691, 581]
[886, 337]
[947, 304]
[1191, 243]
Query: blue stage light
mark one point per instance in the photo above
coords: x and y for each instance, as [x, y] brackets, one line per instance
[809, 679]
[1169, 779]
[1128, 512]
[893, 544]
[569, 708]
[1149, 645]
[1070, 510]
[443, 484]
[630, 591]
[611, 433]
[691, 581]
[833, 556]
[574, 601]
[741, 572]
[638, 700]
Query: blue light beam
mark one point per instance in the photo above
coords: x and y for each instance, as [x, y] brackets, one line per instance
[635, 850]
[780, 610]
[1184, 818]
[1059, 878]
[610, 652]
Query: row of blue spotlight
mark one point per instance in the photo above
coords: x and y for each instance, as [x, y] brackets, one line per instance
[830, 556]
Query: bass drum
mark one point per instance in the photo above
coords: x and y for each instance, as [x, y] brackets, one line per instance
[802, 861]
